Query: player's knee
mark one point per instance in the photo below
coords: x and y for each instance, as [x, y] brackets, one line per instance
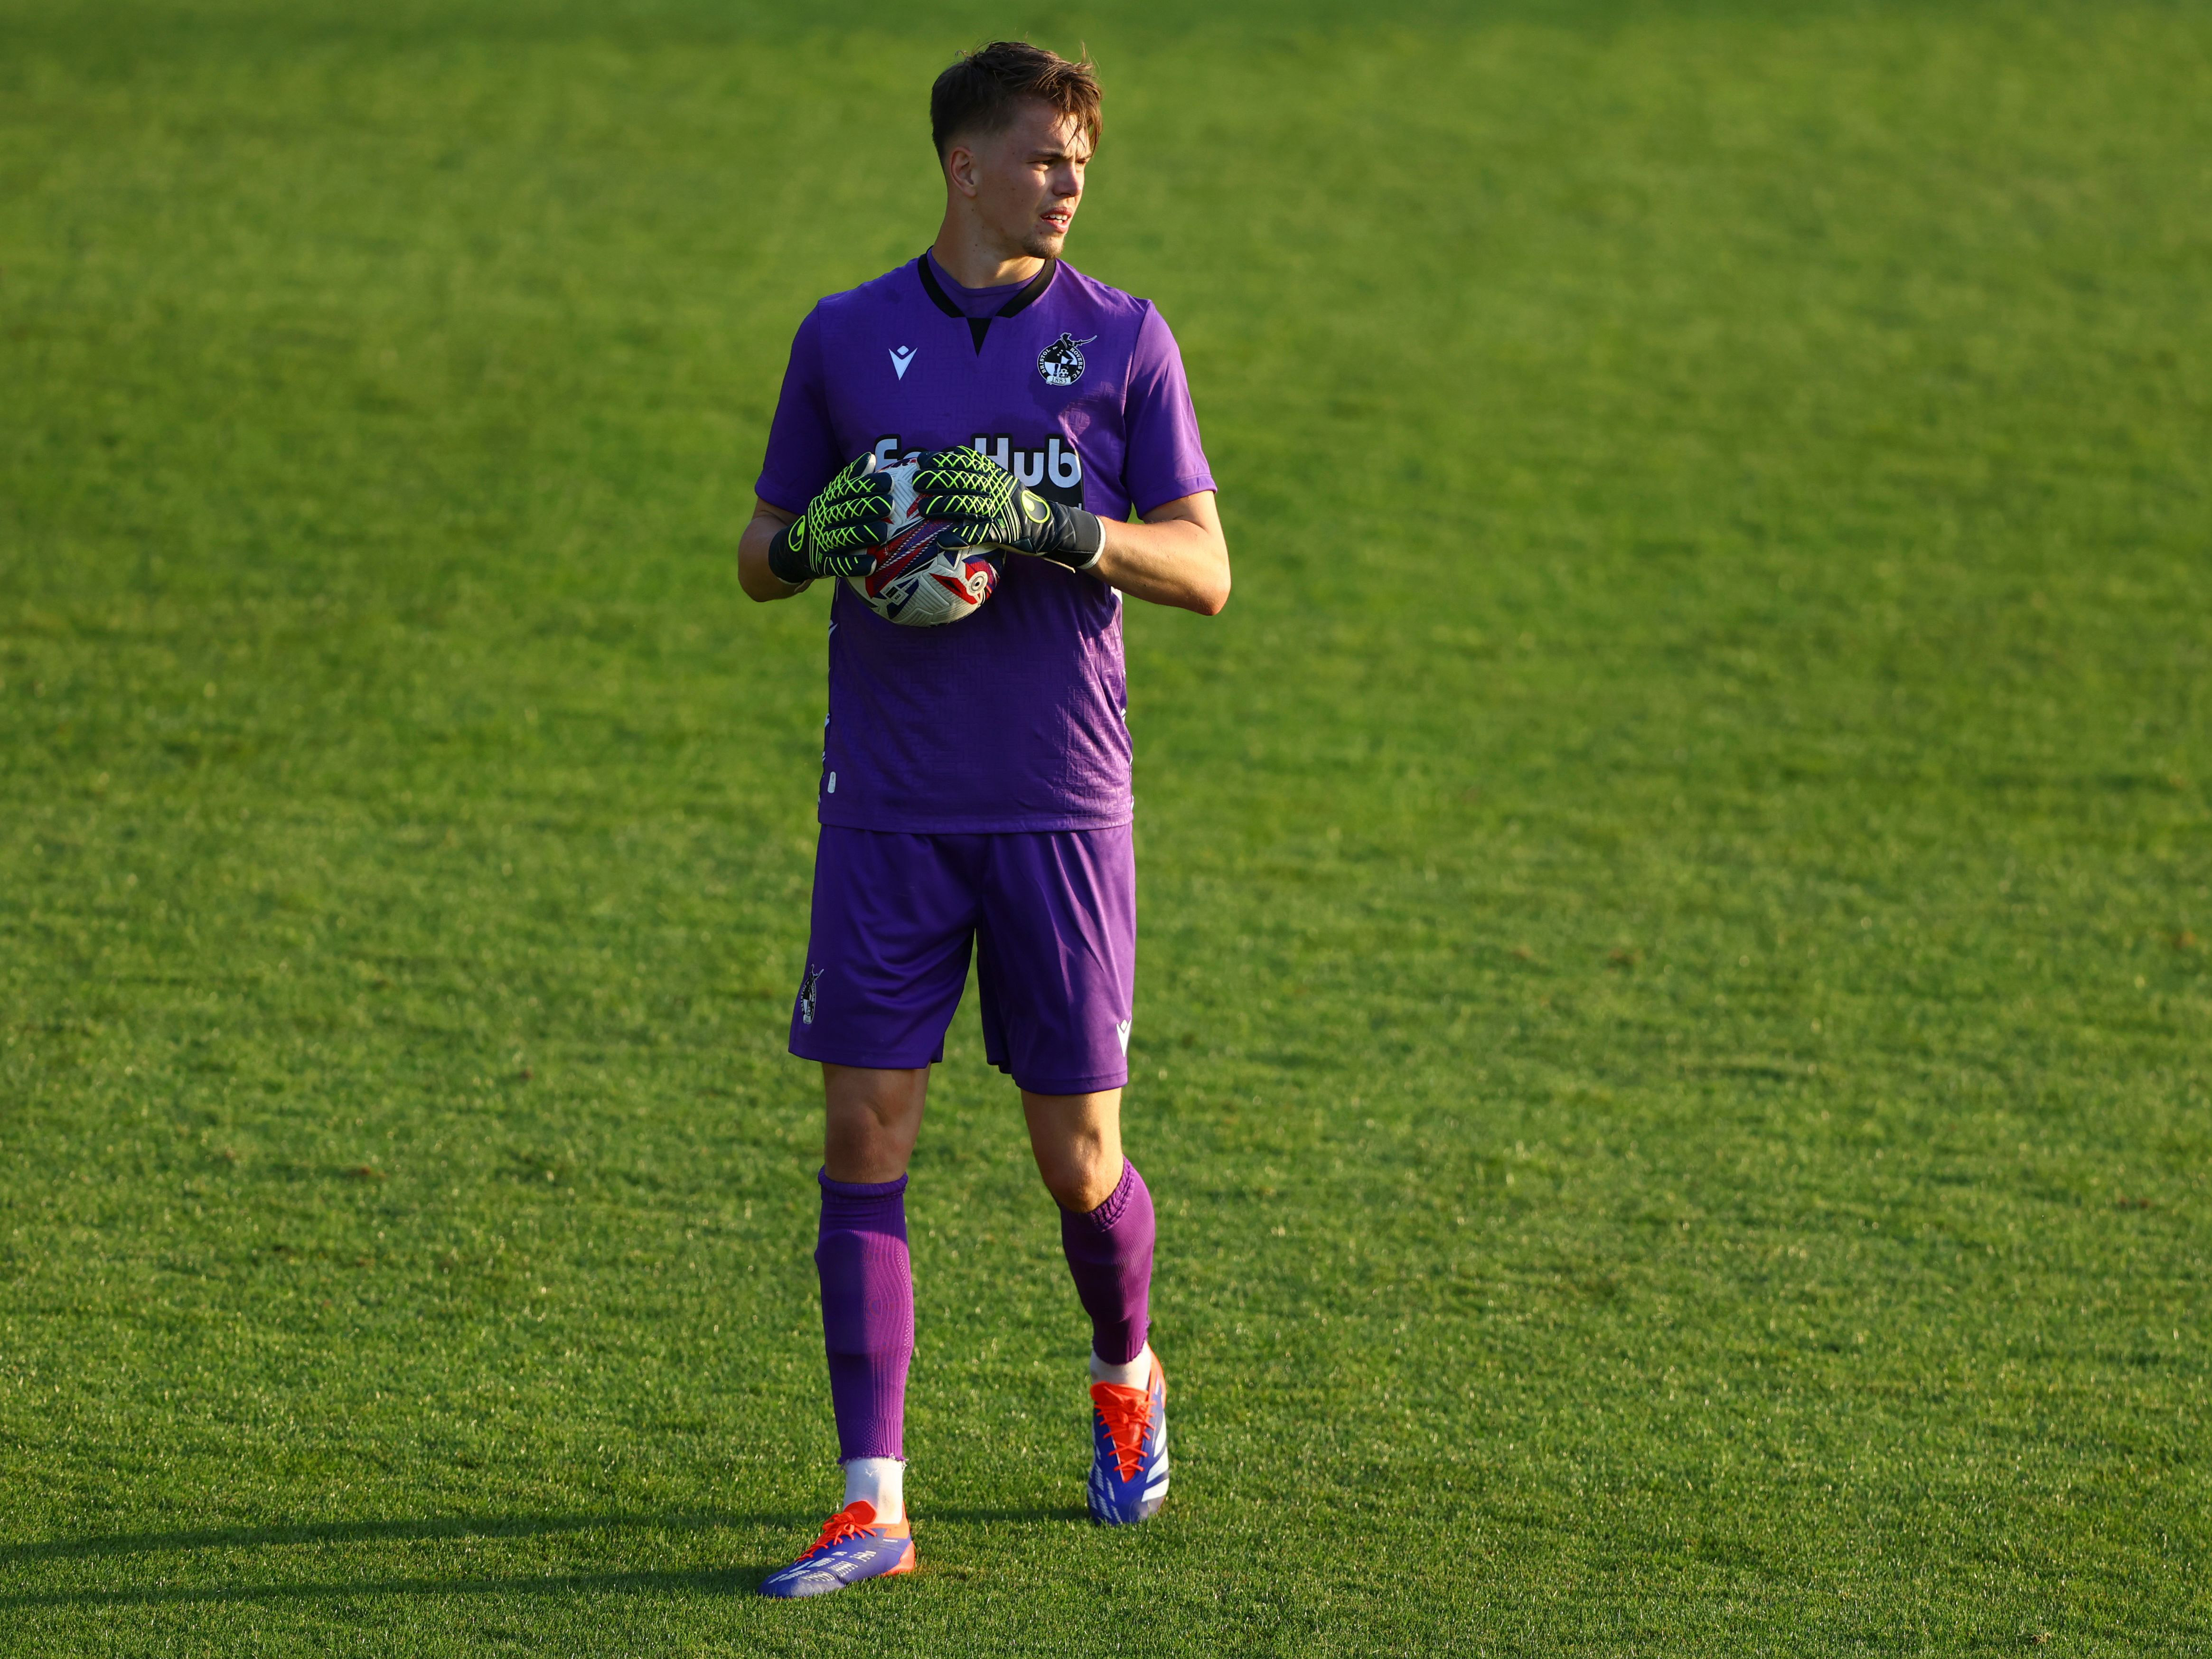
[869, 1117]
[1079, 1178]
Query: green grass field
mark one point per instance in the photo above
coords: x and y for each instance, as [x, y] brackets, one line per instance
[1674, 1041]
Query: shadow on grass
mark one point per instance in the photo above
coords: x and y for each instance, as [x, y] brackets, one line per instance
[708, 1580]
[356, 1532]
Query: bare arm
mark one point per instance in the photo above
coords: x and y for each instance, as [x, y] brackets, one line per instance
[760, 582]
[1176, 556]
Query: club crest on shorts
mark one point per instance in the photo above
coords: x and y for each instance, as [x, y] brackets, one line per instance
[807, 988]
[1062, 362]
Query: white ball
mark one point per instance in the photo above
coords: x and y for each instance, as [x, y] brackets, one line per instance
[924, 575]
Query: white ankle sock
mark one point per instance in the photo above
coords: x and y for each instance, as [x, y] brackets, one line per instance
[881, 1482]
[1137, 1374]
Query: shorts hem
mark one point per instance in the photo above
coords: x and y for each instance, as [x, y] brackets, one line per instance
[1070, 1085]
[1017, 825]
[866, 1060]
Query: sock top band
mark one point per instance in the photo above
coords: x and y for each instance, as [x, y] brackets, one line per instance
[1116, 1201]
[861, 1188]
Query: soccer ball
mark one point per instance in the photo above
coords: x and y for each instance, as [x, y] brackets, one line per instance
[924, 575]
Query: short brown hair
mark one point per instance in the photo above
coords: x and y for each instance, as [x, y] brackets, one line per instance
[980, 91]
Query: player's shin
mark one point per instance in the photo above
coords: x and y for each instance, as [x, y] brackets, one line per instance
[1109, 1253]
[867, 1322]
[867, 1327]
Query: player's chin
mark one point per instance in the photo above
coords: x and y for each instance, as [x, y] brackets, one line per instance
[1044, 244]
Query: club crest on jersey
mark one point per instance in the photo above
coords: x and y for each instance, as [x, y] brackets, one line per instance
[1062, 362]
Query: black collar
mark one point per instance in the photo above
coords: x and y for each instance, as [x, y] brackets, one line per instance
[1031, 292]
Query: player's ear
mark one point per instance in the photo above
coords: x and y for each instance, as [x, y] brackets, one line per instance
[960, 169]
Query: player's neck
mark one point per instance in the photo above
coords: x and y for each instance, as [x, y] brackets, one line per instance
[973, 257]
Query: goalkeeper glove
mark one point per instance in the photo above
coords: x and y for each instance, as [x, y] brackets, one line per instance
[968, 488]
[841, 530]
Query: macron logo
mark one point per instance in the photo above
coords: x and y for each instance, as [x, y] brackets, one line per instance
[901, 356]
[1121, 1030]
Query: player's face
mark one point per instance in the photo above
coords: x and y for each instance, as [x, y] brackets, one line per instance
[1029, 179]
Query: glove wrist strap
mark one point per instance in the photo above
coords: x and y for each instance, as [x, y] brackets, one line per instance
[1078, 538]
[786, 563]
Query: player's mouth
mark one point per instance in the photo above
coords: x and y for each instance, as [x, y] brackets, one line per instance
[1057, 220]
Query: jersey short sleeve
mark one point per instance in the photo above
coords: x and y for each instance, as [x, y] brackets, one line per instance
[802, 443]
[1165, 460]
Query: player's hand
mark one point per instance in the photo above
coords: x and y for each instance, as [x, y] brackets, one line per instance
[841, 530]
[967, 487]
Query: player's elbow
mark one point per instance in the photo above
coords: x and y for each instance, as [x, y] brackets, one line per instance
[755, 575]
[761, 585]
[1211, 598]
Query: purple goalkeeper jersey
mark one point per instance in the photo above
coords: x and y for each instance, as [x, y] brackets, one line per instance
[1015, 718]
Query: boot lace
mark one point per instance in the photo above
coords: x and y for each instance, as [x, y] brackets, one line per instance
[855, 1520]
[1127, 1413]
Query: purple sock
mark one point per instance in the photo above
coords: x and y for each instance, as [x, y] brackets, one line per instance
[867, 1312]
[1109, 1251]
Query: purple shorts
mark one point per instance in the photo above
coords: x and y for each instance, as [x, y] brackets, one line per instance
[1053, 915]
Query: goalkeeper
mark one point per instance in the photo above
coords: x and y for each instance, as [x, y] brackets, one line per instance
[1044, 409]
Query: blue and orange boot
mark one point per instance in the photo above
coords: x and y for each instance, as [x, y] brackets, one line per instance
[1129, 1450]
[853, 1546]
